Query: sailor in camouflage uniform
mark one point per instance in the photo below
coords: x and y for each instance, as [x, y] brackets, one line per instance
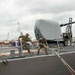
[42, 42]
[25, 39]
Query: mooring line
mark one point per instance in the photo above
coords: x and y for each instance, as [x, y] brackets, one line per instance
[71, 70]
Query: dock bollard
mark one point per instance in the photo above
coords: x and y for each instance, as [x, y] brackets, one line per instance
[12, 53]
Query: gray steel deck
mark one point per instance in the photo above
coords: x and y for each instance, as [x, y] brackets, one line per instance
[40, 65]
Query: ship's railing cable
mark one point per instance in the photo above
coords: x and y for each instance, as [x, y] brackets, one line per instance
[71, 70]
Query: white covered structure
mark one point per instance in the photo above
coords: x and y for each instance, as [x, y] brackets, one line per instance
[49, 29]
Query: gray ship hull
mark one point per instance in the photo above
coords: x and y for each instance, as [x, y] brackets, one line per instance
[39, 65]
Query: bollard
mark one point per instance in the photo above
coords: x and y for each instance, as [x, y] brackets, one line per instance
[12, 53]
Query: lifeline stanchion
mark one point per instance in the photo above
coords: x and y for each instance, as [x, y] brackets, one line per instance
[71, 70]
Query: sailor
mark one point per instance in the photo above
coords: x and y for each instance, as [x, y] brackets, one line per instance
[65, 37]
[25, 39]
[42, 42]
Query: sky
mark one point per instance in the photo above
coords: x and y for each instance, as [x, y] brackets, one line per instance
[22, 15]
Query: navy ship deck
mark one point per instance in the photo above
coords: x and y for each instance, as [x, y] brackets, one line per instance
[42, 64]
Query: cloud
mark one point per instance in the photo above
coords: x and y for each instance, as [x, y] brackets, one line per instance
[52, 6]
[26, 12]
